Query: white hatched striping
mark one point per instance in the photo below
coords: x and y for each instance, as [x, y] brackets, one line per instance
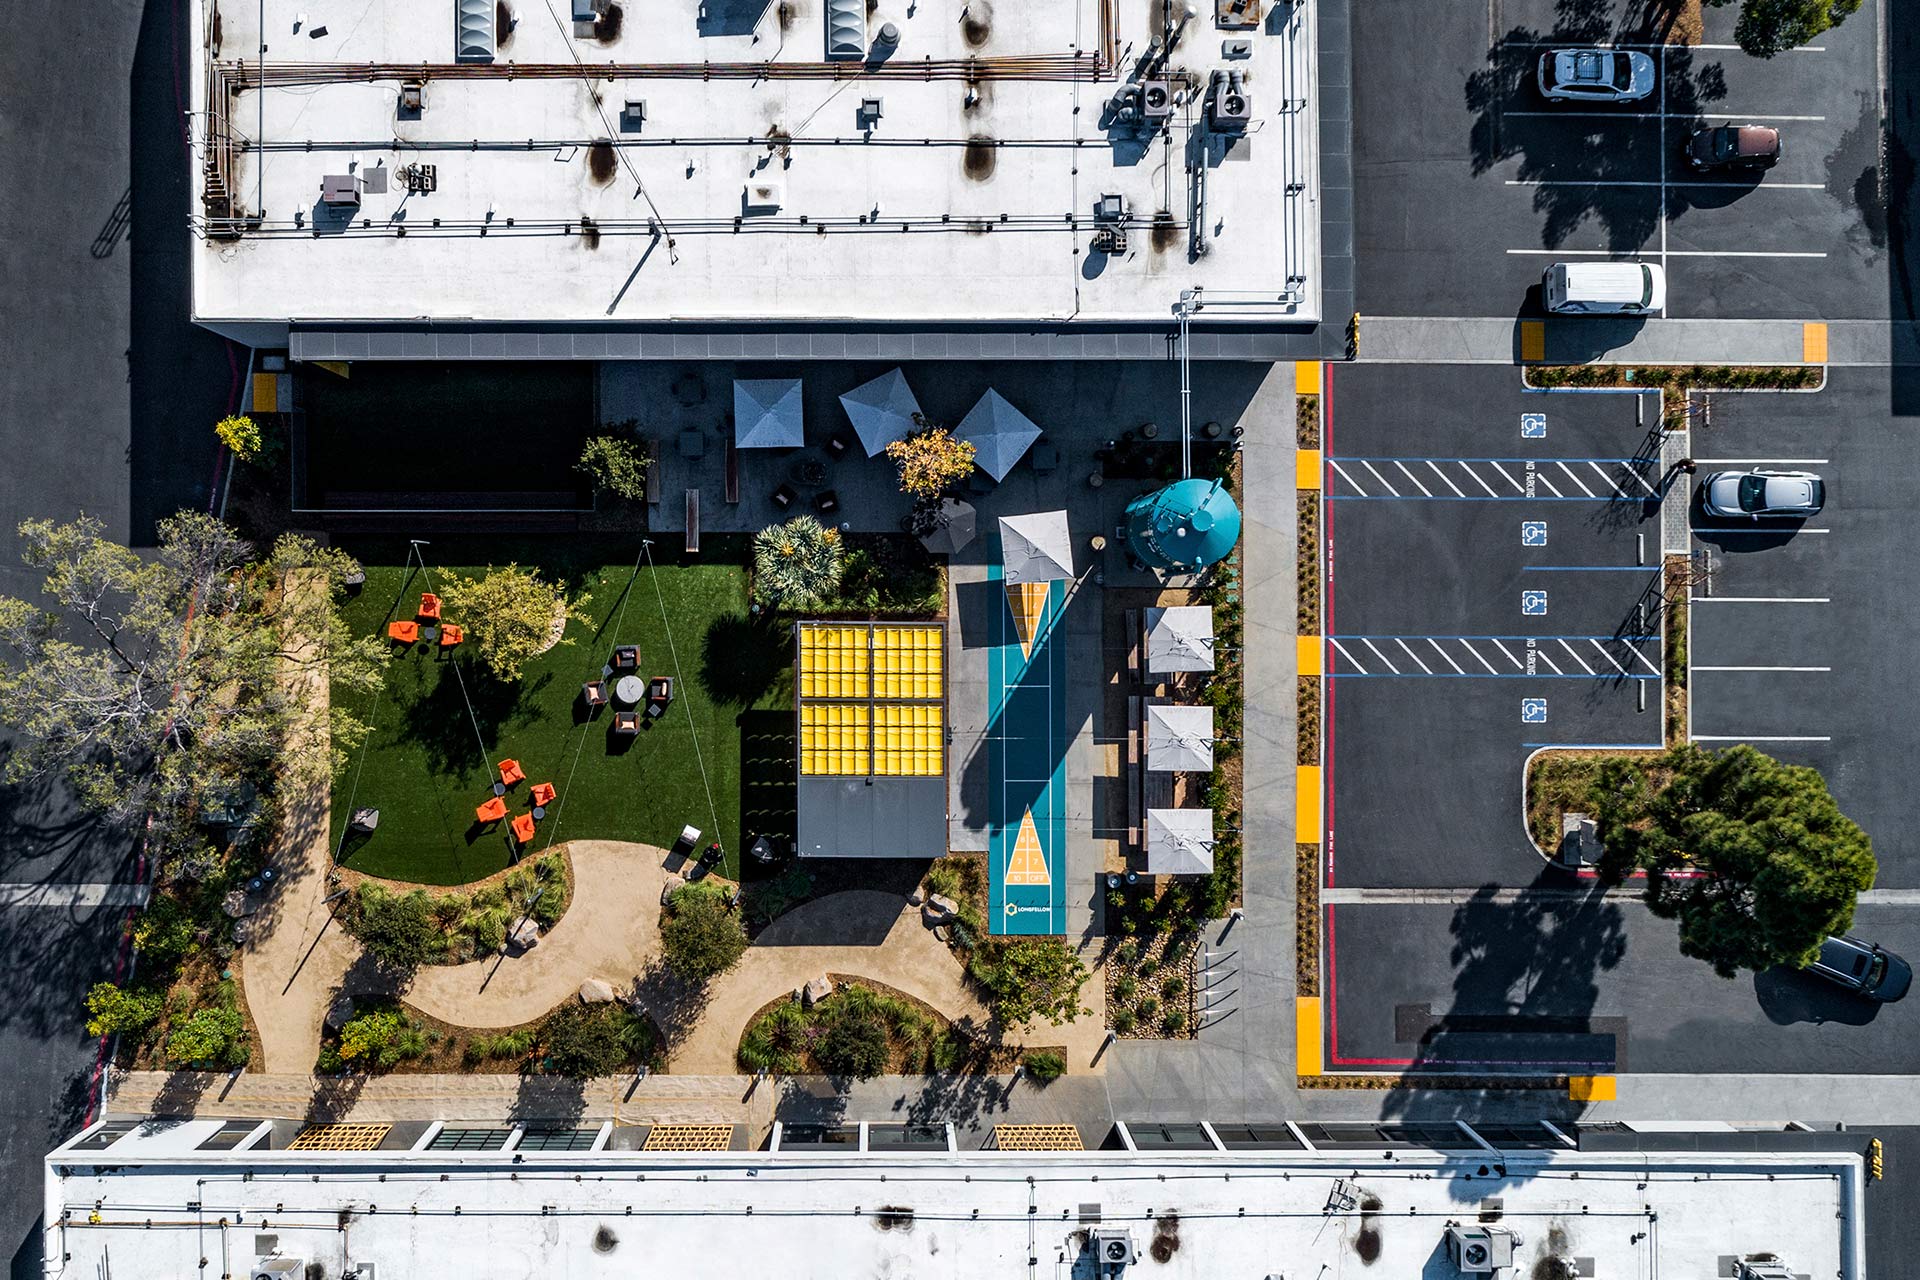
[1411, 654]
[1449, 657]
[1455, 665]
[1383, 657]
[1443, 478]
[1576, 479]
[1377, 476]
[1510, 655]
[1409, 475]
[1609, 657]
[1358, 488]
[1574, 654]
[1348, 656]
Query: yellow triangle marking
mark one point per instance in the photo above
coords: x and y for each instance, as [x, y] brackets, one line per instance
[1028, 863]
[338, 367]
[1028, 600]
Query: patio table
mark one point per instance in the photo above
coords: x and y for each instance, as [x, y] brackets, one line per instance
[630, 689]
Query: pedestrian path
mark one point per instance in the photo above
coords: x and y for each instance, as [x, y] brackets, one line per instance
[1589, 340]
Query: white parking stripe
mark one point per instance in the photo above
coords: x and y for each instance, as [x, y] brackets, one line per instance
[1620, 488]
[1575, 655]
[1643, 659]
[1677, 253]
[1698, 667]
[1642, 115]
[1754, 737]
[1350, 658]
[1409, 475]
[1349, 479]
[1610, 658]
[1443, 478]
[1576, 479]
[1383, 657]
[1477, 658]
[1541, 476]
[1761, 600]
[1449, 657]
[1549, 661]
[1510, 658]
[1742, 462]
[1477, 480]
[1377, 476]
[1517, 486]
[1576, 182]
[1411, 654]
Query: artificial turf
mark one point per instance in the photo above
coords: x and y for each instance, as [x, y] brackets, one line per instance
[442, 722]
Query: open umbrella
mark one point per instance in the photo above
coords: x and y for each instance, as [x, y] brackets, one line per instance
[955, 526]
[766, 413]
[1035, 549]
[1179, 842]
[882, 411]
[1180, 638]
[1000, 434]
[1179, 739]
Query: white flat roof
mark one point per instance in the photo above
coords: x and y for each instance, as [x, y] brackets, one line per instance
[1227, 1216]
[908, 220]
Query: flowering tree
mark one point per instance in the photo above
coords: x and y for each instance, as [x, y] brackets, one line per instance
[512, 614]
[930, 460]
[241, 434]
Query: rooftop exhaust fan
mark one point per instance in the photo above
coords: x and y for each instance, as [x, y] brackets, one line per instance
[473, 30]
[1112, 1249]
[1481, 1250]
[846, 28]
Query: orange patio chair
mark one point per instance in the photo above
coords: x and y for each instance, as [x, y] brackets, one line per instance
[543, 793]
[430, 606]
[492, 811]
[451, 634]
[523, 828]
[404, 632]
[511, 772]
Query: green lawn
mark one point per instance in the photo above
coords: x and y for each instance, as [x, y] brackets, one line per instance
[430, 759]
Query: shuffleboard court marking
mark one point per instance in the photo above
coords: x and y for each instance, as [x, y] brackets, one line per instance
[1026, 761]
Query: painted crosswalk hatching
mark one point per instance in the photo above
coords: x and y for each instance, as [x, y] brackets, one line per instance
[1622, 657]
[1494, 479]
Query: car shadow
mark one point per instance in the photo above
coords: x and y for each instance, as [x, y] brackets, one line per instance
[1788, 996]
[1735, 536]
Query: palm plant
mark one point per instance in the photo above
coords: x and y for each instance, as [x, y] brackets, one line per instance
[796, 565]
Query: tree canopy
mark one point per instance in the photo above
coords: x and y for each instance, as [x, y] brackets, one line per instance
[1751, 856]
[615, 465]
[796, 565]
[700, 938]
[930, 460]
[1767, 27]
[1030, 978]
[510, 615]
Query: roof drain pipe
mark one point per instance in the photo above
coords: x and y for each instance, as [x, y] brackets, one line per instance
[1184, 309]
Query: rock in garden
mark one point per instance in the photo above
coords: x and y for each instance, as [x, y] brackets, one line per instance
[525, 936]
[940, 907]
[339, 1013]
[596, 991]
[815, 991]
[942, 933]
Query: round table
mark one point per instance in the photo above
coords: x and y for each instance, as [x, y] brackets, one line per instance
[630, 689]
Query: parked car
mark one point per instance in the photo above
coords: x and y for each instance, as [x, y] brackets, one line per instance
[1734, 146]
[1596, 75]
[1865, 967]
[1604, 288]
[1760, 493]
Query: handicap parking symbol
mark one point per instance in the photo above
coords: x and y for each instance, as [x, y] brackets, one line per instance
[1533, 533]
[1533, 603]
[1533, 711]
[1533, 426]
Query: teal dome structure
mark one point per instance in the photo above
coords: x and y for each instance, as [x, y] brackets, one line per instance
[1188, 525]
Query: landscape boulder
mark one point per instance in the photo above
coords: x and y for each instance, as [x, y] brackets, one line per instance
[939, 909]
[596, 991]
[816, 990]
[339, 1013]
[525, 936]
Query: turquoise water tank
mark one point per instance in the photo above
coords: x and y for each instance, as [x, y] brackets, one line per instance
[1187, 525]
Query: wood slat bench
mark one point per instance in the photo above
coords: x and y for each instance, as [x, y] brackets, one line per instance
[693, 521]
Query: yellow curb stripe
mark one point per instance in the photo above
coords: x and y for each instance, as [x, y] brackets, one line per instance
[1591, 1088]
[1306, 1036]
[1306, 655]
[1306, 804]
[266, 393]
[1533, 340]
[1307, 469]
[1813, 343]
[1306, 377]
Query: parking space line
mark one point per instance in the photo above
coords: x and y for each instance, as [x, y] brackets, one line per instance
[1541, 476]
[1754, 737]
[1377, 476]
[1443, 478]
[1344, 476]
[1643, 659]
[1650, 115]
[1517, 486]
[1762, 529]
[1347, 646]
[1477, 658]
[1576, 479]
[1738, 462]
[1698, 667]
[1411, 654]
[1482, 483]
[1574, 654]
[1549, 661]
[1610, 658]
[1677, 253]
[1678, 182]
[1383, 657]
[1449, 657]
[1409, 475]
[1761, 600]
[1510, 657]
[1348, 656]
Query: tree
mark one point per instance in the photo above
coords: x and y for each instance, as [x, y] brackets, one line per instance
[397, 929]
[853, 1035]
[213, 1037]
[1030, 978]
[240, 434]
[1767, 27]
[615, 466]
[595, 1040]
[157, 685]
[796, 565]
[511, 614]
[931, 459]
[112, 1009]
[1751, 856]
[699, 937]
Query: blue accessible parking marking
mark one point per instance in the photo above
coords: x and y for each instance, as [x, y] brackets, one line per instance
[1533, 603]
[1533, 426]
[1533, 711]
[1533, 533]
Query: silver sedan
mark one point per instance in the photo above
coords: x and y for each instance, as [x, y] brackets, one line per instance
[1792, 494]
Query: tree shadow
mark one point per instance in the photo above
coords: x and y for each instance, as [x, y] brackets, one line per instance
[548, 1101]
[675, 1005]
[741, 658]
[442, 723]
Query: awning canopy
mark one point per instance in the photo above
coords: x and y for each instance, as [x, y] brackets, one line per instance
[1180, 638]
[767, 414]
[1000, 434]
[1179, 842]
[882, 411]
[1180, 739]
[1036, 547]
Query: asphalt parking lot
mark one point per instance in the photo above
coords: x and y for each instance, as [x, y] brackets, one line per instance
[1469, 183]
[1801, 634]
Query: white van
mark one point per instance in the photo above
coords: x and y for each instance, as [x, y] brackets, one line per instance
[1604, 288]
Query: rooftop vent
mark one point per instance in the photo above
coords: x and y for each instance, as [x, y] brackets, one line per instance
[279, 1268]
[1764, 1268]
[473, 30]
[339, 191]
[1479, 1250]
[763, 197]
[1112, 1249]
[846, 28]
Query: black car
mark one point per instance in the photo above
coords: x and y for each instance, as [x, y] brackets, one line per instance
[1734, 146]
[1865, 967]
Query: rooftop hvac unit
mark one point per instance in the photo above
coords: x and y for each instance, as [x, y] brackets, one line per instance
[1479, 1250]
[473, 30]
[1111, 1247]
[1229, 107]
[339, 191]
[846, 28]
[277, 1268]
[1764, 1269]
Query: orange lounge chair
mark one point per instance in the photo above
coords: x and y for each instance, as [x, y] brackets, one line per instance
[523, 828]
[492, 811]
[510, 772]
[543, 793]
[451, 635]
[430, 606]
[404, 632]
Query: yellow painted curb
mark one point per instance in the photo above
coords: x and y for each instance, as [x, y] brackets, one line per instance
[1307, 654]
[1306, 1036]
[266, 393]
[1306, 469]
[1813, 343]
[1590, 1088]
[1306, 804]
[1533, 340]
[1306, 377]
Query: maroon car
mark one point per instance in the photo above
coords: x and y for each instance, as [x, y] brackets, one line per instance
[1734, 146]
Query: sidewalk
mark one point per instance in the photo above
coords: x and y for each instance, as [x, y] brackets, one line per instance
[1588, 340]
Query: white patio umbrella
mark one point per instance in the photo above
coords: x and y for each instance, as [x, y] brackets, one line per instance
[882, 411]
[1179, 739]
[767, 414]
[1037, 547]
[1000, 434]
[1179, 842]
[1180, 638]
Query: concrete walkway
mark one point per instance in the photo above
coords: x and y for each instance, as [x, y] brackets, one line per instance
[1585, 340]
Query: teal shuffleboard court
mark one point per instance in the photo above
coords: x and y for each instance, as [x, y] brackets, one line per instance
[1026, 769]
